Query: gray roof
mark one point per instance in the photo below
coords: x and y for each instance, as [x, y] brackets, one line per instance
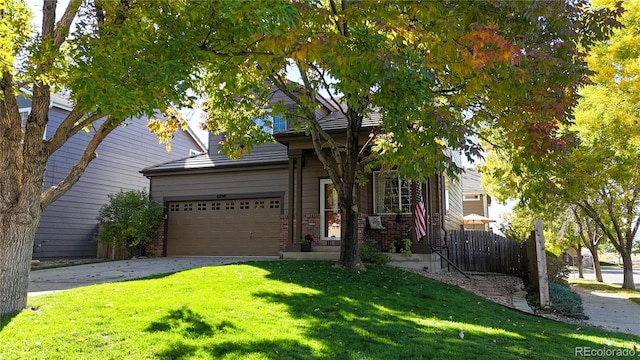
[261, 156]
[336, 121]
[268, 155]
[471, 181]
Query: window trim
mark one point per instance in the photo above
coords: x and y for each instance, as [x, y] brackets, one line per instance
[375, 208]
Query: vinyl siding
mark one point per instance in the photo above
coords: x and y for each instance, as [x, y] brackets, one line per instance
[475, 207]
[453, 220]
[68, 226]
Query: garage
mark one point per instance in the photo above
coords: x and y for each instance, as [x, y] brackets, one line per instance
[229, 227]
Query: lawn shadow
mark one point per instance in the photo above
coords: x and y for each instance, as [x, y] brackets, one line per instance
[394, 312]
[6, 319]
[186, 323]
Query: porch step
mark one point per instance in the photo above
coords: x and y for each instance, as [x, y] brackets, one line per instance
[313, 255]
[325, 249]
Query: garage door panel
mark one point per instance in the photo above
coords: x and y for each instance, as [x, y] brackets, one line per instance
[218, 228]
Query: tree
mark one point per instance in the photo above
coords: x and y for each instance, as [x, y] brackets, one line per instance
[601, 174]
[115, 60]
[438, 73]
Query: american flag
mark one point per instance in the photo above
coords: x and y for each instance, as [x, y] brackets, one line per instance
[421, 225]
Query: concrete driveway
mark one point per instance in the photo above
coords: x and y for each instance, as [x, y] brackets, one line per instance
[607, 310]
[58, 279]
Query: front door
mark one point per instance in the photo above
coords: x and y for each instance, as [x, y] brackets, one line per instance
[329, 211]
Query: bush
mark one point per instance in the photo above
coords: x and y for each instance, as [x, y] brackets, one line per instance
[372, 255]
[130, 219]
[564, 301]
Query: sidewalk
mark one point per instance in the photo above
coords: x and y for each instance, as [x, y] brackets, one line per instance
[58, 279]
[610, 311]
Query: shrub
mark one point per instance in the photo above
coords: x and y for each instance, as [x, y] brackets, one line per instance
[563, 300]
[130, 219]
[372, 255]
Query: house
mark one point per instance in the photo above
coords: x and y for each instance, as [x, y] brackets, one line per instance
[263, 203]
[68, 226]
[475, 198]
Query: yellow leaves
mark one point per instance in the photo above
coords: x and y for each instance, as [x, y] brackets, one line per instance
[165, 129]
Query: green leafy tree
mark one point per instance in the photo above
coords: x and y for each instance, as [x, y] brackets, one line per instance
[116, 60]
[601, 175]
[438, 73]
[130, 219]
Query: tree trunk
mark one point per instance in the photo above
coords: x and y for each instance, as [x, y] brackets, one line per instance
[16, 248]
[580, 270]
[596, 262]
[628, 282]
[349, 249]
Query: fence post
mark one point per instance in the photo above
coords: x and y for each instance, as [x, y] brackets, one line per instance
[543, 283]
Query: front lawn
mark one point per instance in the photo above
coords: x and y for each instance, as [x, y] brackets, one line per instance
[286, 310]
[633, 295]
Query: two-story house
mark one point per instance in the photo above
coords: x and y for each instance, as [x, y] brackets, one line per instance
[68, 226]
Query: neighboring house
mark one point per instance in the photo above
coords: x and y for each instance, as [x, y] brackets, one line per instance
[68, 226]
[265, 202]
[475, 200]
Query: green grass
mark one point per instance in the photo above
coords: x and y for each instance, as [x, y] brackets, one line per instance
[633, 295]
[286, 310]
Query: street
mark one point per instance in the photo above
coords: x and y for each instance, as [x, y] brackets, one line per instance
[611, 275]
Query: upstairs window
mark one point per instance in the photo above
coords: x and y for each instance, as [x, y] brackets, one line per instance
[271, 124]
[24, 114]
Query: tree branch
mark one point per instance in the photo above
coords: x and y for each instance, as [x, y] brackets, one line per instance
[62, 28]
[328, 88]
[55, 192]
[70, 126]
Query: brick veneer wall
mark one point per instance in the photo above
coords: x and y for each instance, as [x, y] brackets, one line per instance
[311, 225]
[155, 248]
[398, 227]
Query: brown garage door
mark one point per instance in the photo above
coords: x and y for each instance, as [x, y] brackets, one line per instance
[242, 227]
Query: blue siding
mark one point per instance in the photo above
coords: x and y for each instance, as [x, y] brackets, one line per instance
[68, 226]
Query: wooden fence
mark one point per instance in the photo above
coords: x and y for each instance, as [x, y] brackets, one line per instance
[486, 252]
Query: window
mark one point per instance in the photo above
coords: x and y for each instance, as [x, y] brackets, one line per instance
[391, 194]
[329, 211]
[24, 115]
[271, 123]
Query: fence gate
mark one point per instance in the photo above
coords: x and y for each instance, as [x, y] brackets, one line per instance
[486, 252]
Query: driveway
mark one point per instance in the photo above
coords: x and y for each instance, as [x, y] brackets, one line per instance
[607, 310]
[610, 311]
[58, 279]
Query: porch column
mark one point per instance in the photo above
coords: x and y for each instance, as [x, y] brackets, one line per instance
[295, 196]
[290, 238]
[298, 234]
